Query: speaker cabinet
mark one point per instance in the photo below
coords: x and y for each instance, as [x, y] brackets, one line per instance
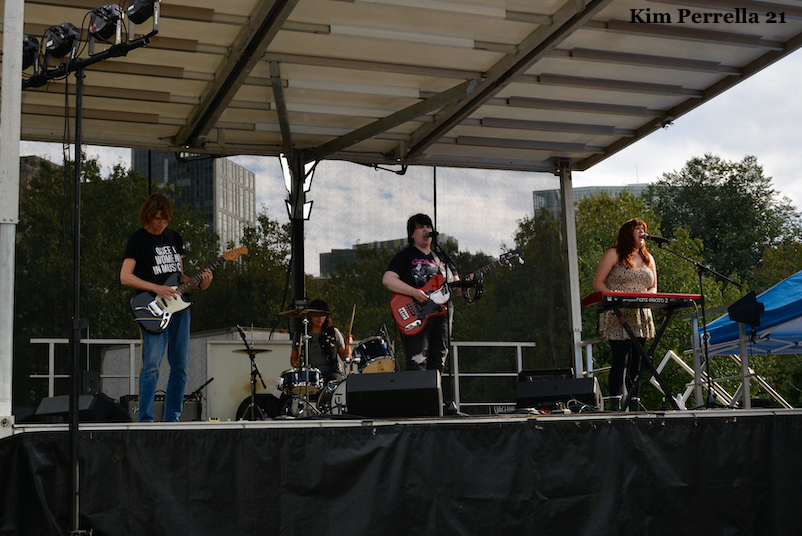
[91, 408]
[414, 393]
[191, 410]
[550, 393]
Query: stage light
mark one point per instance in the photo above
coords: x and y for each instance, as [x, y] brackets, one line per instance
[105, 21]
[140, 10]
[61, 39]
[30, 50]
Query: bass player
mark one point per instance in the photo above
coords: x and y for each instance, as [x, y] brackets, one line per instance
[411, 269]
[152, 255]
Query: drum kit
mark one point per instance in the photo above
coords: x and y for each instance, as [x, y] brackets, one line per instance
[304, 385]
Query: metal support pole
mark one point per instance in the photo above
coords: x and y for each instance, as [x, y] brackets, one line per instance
[78, 324]
[572, 263]
[10, 124]
[297, 200]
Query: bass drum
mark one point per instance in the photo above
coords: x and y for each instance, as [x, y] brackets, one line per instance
[374, 356]
[332, 399]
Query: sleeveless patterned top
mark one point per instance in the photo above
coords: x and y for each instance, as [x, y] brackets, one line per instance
[625, 279]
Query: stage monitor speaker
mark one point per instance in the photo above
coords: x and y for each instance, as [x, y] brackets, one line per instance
[191, 411]
[551, 393]
[747, 310]
[414, 393]
[91, 408]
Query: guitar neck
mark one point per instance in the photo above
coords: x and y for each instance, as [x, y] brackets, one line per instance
[189, 283]
[491, 266]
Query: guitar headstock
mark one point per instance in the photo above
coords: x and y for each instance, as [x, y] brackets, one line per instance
[233, 254]
[507, 258]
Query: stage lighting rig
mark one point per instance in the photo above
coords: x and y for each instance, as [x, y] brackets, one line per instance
[30, 53]
[138, 11]
[105, 22]
[141, 10]
[61, 40]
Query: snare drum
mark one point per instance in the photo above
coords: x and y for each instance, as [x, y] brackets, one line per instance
[374, 356]
[332, 399]
[294, 381]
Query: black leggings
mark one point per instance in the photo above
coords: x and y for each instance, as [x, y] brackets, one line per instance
[626, 363]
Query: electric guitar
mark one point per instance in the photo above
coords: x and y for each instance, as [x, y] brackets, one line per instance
[154, 313]
[411, 316]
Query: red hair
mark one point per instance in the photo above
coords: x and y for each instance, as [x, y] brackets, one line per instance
[625, 243]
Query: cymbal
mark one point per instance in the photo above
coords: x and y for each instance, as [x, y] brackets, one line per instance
[254, 350]
[304, 313]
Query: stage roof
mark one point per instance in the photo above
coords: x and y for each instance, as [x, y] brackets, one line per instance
[503, 84]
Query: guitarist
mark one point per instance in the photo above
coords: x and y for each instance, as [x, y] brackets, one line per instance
[410, 269]
[152, 255]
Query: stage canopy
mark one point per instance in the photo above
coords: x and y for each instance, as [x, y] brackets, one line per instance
[780, 330]
[506, 84]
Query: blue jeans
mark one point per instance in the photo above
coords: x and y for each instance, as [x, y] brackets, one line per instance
[176, 340]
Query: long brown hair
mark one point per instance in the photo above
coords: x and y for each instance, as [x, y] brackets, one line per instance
[152, 205]
[625, 243]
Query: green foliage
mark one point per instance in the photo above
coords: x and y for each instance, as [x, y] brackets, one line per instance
[251, 290]
[731, 206]
[359, 285]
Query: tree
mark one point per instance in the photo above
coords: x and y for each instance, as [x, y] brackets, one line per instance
[252, 290]
[731, 206]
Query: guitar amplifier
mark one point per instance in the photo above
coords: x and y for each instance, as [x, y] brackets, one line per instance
[190, 412]
[550, 393]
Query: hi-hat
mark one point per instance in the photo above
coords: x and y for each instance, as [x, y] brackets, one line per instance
[304, 313]
[253, 350]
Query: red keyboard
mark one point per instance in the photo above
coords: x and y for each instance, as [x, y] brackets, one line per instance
[660, 300]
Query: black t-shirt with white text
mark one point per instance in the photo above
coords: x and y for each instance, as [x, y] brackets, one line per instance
[157, 256]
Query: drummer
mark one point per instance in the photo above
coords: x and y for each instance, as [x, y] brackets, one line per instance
[326, 344]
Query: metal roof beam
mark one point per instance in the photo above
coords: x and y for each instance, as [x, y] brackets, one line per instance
[266, 19]
[530, 145]
[586, 107]
[644, 60]
[536, 46]
[376, 66]
[281, 108]
[685, 34]
[609, 85]
[393, 120]
[553, 126]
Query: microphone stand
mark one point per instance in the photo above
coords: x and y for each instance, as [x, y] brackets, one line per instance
[700, 270]
[254, 373]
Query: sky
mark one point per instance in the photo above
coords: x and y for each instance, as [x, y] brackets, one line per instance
[356, 204]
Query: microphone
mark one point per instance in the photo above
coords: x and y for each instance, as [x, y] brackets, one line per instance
[430, 234]
[658, 239]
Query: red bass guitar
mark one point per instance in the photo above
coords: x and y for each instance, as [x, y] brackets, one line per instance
[411, 316]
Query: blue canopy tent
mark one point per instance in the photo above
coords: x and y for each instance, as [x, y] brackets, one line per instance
[779, 332]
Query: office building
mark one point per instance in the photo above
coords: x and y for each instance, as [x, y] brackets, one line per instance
[224, 191]
[331, 261]
[550, 199]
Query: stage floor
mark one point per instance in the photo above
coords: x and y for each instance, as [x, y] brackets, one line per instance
[711, 471]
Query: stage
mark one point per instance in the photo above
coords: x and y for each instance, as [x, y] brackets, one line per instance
[714, 471]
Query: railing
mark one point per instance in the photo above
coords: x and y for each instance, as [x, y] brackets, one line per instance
[51, 366]
[456, 345]
[51, 376]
